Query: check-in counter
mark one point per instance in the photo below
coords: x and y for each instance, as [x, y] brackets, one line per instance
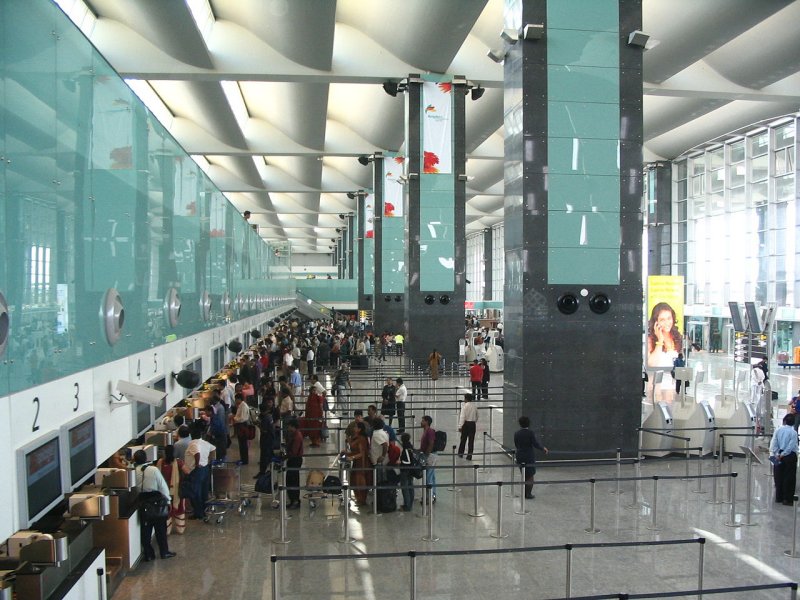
[118, 535]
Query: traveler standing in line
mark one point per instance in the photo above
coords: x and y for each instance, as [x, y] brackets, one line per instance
[267, 440]
[434, 358]
[406, 478]
[426, 446]
[151, 484]
[783, 455]
[525, 441]
[240, 422]
[174, 471]
[359, 454]
[485, 379]
[398, 344]
[217, 427]
[388, 400]
[294, 460]
[678, 363]
[199, 455]
[476, 378]
[467, 424]
[400, 403]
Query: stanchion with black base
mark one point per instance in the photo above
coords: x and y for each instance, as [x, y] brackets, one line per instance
[412, 556]
[345, 539]
[483, 469]
[499, 529]
[618, 491]
[454, 488]
[475, 510]
[568, 548]
[637, 473]
[700, 563]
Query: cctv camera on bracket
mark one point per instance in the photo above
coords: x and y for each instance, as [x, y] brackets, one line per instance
[140, 393]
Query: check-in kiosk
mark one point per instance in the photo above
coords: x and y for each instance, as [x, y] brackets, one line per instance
[691, 419]
[659, 420]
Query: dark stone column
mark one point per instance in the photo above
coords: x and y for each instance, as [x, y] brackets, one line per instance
[658, 207]
[438, 323]
[573, 225]
[366, 241]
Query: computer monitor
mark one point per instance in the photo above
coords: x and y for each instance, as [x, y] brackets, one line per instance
[40, 478]
[78, 450]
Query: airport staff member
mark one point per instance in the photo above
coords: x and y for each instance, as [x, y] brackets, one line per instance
[783, 453]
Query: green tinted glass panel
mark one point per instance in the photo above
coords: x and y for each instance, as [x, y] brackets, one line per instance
[583, 229]
[583, 265]
[584, 193]
[582, 84]
[369, 266]
[593, 15]
[583, 120]
[436, 233]
[582, 48]
[584, 156]
[393, 256]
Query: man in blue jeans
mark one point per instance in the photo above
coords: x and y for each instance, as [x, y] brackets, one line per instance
[426, 445]
[199, 456]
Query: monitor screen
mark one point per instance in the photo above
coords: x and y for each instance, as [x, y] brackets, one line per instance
[144, 418]
[43, 477]
[81, 451]
[161, 386]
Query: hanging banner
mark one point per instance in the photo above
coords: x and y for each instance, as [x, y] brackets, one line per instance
[437, 151]
[664, 339]
[369, 216]
[393, 168]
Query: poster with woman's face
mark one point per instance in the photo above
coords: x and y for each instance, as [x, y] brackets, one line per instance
[664, 335]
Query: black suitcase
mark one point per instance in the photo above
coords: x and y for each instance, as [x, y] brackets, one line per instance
[387, 500]
[332, 485]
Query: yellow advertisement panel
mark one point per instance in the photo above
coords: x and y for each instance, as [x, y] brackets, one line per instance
[665, 320]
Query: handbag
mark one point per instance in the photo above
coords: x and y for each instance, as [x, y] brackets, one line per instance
[154, 508]
[250, 431]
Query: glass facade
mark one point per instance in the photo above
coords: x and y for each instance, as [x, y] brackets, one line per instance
[476, 264]
[475, 267]
[734, 222]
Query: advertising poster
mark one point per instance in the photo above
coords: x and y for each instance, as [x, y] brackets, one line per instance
[369, 216]
[392, 187]
[437, 152]
[664, 338]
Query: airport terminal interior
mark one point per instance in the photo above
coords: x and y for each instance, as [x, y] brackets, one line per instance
[597, 197]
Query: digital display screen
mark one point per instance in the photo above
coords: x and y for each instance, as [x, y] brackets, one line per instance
[143, 417]
[43, 477]
[161, 386]
[81, 451]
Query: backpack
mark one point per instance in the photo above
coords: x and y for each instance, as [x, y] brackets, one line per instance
[439, 441]
[255, 416]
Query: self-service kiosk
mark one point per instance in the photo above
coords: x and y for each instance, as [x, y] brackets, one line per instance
[659, 420]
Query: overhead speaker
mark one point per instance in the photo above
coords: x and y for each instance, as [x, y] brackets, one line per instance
[271, 323]
[172, 307]
[187, 378]
[398, 298]
[599, 303]
[112, 314]
[235, 346]
[5, 322]
[568, 303]
[429, 299]
[444, 299]
[387, 298]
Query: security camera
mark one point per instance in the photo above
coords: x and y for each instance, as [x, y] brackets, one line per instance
[140, 393]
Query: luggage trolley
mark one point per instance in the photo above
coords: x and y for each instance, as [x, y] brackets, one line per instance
[227, 492]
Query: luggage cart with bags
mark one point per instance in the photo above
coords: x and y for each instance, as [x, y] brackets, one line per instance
[228, 493]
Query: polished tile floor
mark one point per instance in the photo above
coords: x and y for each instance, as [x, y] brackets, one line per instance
[232, 559]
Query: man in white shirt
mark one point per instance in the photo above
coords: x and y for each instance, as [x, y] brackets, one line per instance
[151, 484]
[310, 360]
[400, 402]
[379, 446]
[467, 424]
[198, 457]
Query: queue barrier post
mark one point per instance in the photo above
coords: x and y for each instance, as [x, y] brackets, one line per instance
[511, 488]
[568, 591]
[715, 483]
[618, 491]
[424, 495]
[498, 534]
[483, 469]
[345, 539]
[731, 522]
[637, 474]
[749, 484]
[491, 420]
[283, 539]
[431, 537]
[793, 552]
[592, 529]
[375, 490]
[453, 488]
[274, 566]
[686, 458]
[653, 526]
[700, 563]
[412, 556]
[699, 489]
[731, 486]
[475, 510]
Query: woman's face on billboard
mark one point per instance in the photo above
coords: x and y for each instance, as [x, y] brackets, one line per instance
[665, 322]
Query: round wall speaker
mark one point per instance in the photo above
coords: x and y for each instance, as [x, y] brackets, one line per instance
[398, 298]
[112, 314]
[568, 303]
[429, 299]
[387, 298]
[235, 346]
[444, 299]
[599, 303]
[5, 324]
[187, 378]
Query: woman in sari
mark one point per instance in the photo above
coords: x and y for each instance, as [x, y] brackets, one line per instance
[173, 471]
[314, 414]
[359, 454]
